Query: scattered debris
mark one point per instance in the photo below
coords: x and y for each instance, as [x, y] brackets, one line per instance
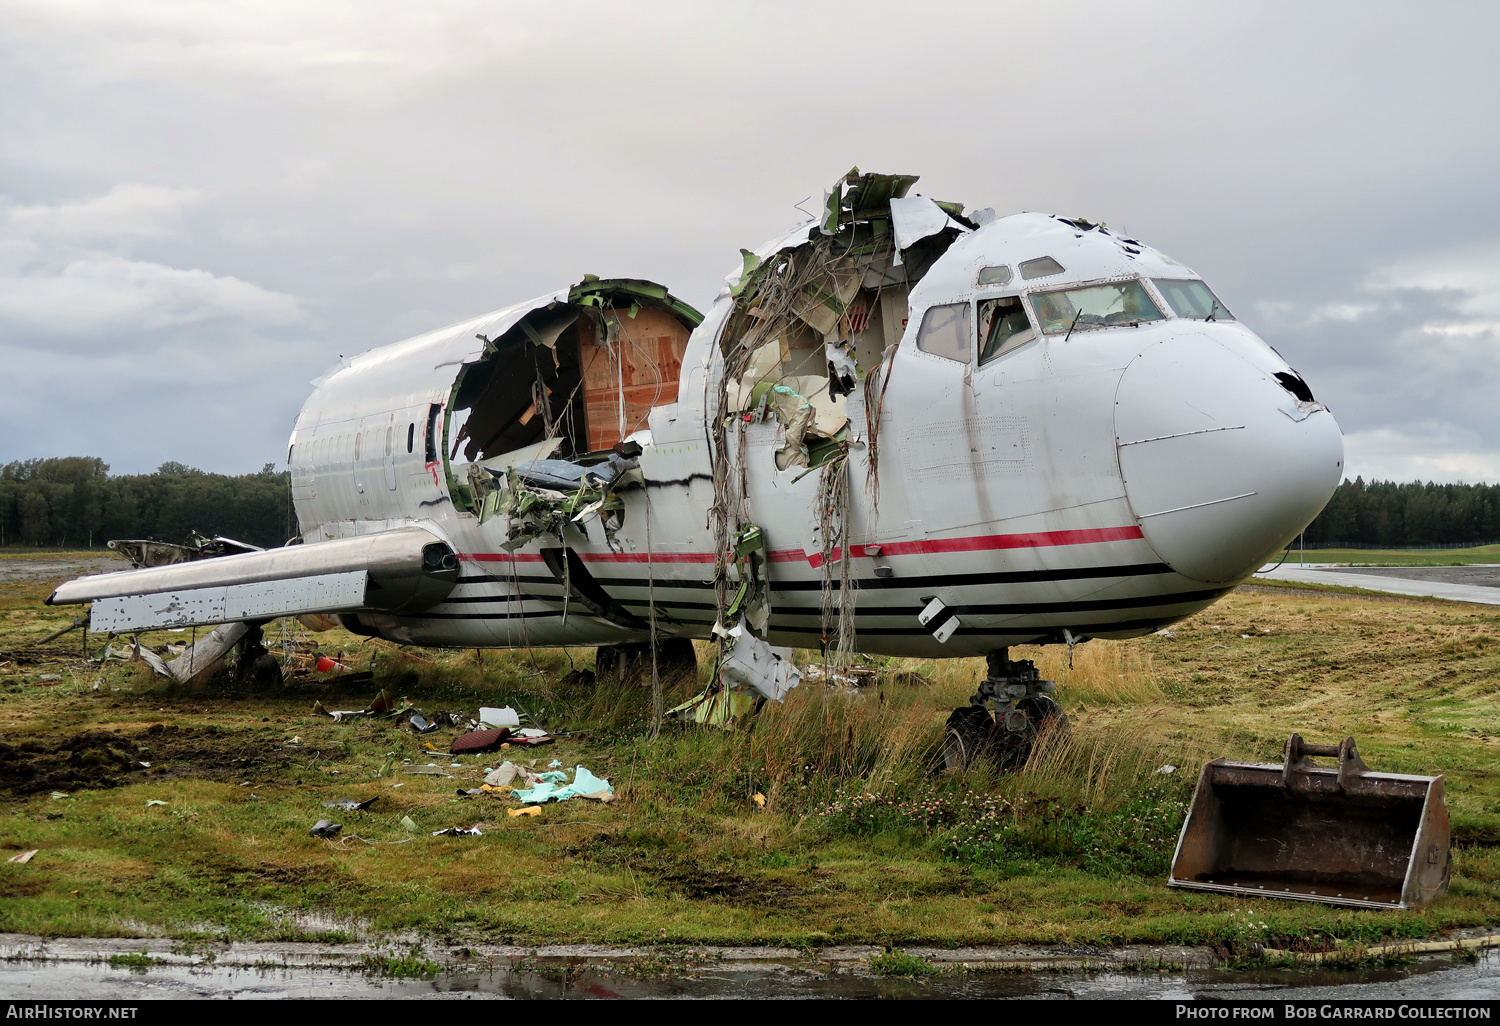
[324, 828]
[350, 805]
[327, 665]
[1166, 769]
[752, 663]
[422, 725]
[509, 773]
[25, 856]
[555, 788]
[1164, 633]
[429, 770]
[504, 716]
[154, 801]
[409, 825]
[382, 705]
[472, 831]
[716, 706]
[477, 741]
[531, 810]
[149, 552]
[851, 678]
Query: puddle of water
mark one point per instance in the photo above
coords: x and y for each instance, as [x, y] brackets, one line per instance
[45, 568]
[1429, 980]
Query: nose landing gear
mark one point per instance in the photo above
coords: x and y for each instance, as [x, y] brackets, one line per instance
[1001, 724]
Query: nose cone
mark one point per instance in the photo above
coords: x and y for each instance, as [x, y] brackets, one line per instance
[1222, 465]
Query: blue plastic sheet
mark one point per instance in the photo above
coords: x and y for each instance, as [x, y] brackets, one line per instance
[556, 788]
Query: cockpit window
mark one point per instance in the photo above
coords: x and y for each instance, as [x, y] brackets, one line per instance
[998, 274]
[1097, 306]
[1192, 298]
[1002, 327]
[947, 332]
[1041, 267]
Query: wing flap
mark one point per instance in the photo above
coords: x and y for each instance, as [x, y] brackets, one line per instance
[261, 600]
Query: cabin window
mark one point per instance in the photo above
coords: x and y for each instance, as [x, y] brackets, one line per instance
[1003, 325]
[1041, 267]
[1097, 306]
[389, 435]
[997, 275]
[411, 433]
[946, 331]
[359, 437]
[1190, 298]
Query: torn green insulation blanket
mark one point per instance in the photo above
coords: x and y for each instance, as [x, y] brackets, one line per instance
[555, 788]
[715, 707]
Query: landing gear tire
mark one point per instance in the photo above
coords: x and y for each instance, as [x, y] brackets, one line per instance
[973, 735]
[968, 738]
[1044, 717]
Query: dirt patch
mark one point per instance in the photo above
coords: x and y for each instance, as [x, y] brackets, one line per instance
[97, 759]
[645, 856]
[72, 762]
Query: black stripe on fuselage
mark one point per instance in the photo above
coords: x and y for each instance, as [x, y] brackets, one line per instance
[779, 618]
[1080, 573]
[991, 609]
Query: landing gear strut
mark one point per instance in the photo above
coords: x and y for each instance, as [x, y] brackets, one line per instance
[255, 663]
[1002, 722]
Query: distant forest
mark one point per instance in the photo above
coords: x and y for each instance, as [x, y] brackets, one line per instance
[73, 502]
[1400, 515]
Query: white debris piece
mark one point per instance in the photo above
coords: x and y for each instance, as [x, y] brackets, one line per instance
[505, 716]
[916, 217]
[753, 663]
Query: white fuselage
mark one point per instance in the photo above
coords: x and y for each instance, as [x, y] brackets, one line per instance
[1103, 484]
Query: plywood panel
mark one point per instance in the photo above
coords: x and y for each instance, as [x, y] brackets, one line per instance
[652, 345]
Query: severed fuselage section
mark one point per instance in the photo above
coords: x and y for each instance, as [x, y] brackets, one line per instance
[900, 428]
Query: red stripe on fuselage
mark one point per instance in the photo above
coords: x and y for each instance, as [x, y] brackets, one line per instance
[984, 543]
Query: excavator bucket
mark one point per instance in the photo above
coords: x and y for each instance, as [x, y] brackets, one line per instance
[1344, 835]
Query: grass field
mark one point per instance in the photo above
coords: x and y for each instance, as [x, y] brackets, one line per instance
[1398, 557]
[857, 840]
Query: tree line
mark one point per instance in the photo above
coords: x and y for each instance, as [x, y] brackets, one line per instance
[1399, 515]
[73, 502]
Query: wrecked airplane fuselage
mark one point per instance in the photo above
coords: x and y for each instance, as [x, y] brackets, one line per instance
[897, 427]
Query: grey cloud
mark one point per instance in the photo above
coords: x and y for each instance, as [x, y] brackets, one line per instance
[385, 168]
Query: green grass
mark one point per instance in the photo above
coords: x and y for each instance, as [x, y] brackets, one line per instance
[1399, 557]
[858, 840]
[898, 963]
[138, 960]
[412, 964]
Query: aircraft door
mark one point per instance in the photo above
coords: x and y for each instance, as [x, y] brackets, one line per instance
[930, 423]
[390, 454]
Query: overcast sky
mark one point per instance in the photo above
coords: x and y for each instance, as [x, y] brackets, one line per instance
[203, 205]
